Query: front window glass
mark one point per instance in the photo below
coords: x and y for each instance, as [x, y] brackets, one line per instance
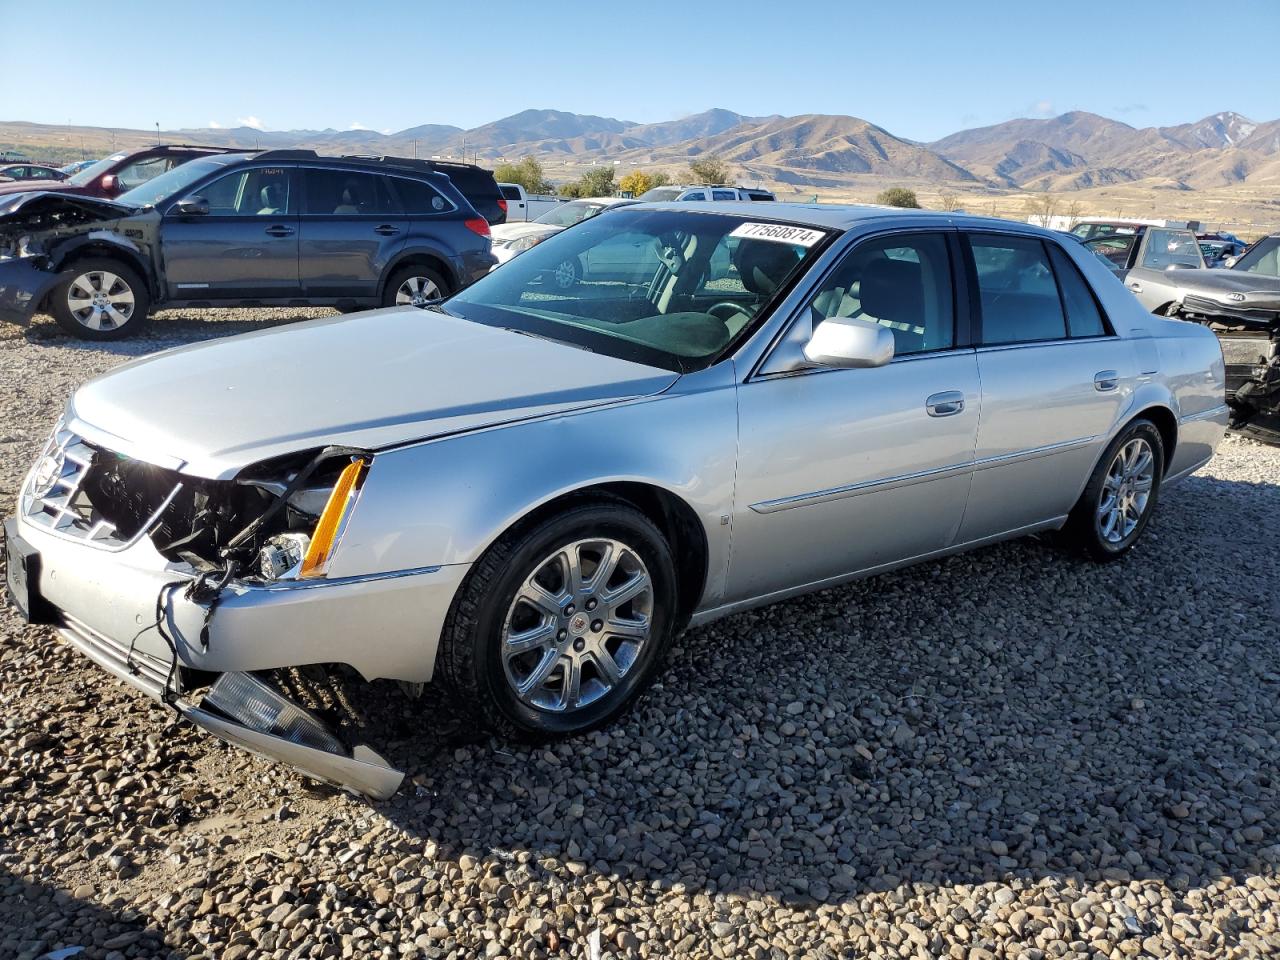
[659, 194]
[669, 289]
[901, 282]
[567, 214]
[93, 171]
[172, 183]
[1019, 294]
[1263, 259]
[1115, 250]
[723, 195]
[696, 195]
[258, 191]
[1171, 248]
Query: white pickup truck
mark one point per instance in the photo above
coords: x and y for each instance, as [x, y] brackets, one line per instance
[523, 206]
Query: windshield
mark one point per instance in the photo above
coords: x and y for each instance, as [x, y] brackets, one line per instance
[661, 193]
[669, 289]
[95, 170]
[175, 181]
[1263, 259]
[567, 214]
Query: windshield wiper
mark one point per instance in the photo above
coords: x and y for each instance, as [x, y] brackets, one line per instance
[539, 336]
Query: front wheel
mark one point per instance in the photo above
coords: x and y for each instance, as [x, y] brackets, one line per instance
[100, 299]
[560, 626]
[1121, 495]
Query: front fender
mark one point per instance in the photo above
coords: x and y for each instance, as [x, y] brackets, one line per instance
[447, 500]
[23, 285]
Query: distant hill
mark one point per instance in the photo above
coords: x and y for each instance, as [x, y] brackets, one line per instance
[1074, 151]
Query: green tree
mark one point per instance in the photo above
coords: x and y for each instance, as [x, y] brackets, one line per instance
[898, 197]
[709, 170]
[641, 181]
[527, 172]
[596, 182]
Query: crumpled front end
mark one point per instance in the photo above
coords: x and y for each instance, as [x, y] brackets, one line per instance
[194, 591]
[1248, 328]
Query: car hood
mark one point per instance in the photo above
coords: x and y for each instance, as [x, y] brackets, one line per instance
[46, 209]
[367, 380]
[25, 186]
[1231, 287]
[506, 232]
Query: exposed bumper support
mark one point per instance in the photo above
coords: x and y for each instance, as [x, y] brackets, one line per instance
[363, 771]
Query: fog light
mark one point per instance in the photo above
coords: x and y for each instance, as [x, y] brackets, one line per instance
[282, 555]
[259, 706]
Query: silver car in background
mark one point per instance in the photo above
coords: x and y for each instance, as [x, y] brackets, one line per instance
[526, 491]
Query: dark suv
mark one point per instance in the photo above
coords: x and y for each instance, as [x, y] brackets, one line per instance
[120, 172]
[280, 228]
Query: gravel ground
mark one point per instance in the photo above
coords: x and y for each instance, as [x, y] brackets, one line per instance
[1011, 754]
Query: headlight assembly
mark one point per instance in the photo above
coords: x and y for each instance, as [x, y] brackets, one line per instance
[525, 243]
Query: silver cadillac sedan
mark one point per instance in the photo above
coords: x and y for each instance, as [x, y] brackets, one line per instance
[525, 491]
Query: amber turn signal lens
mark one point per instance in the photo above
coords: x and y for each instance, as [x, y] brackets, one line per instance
[341, 499]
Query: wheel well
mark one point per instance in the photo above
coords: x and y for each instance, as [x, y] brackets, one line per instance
[110, 251]
[675, 518]
[424, 260]
[1167, 424]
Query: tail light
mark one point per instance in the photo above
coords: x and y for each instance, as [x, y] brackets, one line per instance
[478, 225]
[502, 203]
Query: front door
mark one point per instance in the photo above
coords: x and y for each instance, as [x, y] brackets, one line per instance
[245, 247]
[352, 228]
[1054, 379]
[842, 471]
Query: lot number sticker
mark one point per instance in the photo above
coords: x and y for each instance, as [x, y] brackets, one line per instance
[779, 232]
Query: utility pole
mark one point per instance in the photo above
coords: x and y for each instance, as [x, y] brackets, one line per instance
[415, 148]
[157, 131]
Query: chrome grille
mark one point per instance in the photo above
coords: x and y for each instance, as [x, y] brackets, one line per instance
[53, 495]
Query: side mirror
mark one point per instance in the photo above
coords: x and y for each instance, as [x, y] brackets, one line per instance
[192, 207]
[849, 342]
[1230, 261]
[108, 182]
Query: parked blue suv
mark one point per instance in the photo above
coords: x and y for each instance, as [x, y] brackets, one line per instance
[279, 228]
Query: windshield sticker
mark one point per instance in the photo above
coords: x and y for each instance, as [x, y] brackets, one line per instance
[780, 233]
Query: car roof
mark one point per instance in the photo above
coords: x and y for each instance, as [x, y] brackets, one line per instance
[835, 216]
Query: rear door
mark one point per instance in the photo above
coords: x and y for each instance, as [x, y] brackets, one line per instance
[1053, 380]
[245, 247]
[1154, 277]
[352, 226]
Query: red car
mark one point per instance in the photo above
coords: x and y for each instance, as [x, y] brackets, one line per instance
[119, 172]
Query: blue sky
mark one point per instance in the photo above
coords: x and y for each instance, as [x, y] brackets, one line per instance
[921, 68]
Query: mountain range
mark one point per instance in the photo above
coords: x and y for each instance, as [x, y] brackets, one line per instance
[1074, 151]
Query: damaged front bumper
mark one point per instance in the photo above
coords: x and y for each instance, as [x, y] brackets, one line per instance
[24, 284]
[112, 605]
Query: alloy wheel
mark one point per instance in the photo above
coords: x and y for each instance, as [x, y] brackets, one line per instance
[417, 292]
[1126, 491]
[577, 625]
[100, 300]
[566, 275]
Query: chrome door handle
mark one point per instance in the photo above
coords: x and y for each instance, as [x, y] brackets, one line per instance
[386, 230]
[1135, 286]
[1105, 381]
[946, 404]
[279, 231]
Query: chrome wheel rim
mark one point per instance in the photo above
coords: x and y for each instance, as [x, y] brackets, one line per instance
[577, 625]
[100, 300]
[566, 275]
[417, 292]
[1126, 491]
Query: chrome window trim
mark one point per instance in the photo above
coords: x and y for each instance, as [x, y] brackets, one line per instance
[1056, 341]
[909, 479]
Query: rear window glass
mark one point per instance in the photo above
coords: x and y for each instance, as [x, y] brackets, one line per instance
[1084, 319]
[1019, 296]
[419, 197]
[510, 193]
[347, 193]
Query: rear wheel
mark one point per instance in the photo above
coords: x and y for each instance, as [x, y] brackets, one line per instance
[414, 286]
[1119, 499]
[566, 274]
[561, 625]
[100, 299]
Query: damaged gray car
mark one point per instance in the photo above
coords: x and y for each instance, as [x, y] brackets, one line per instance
[1241, 305]
[525, 492]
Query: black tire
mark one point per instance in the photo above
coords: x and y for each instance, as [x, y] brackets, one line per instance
[405, 274]
[90, 274]
[1083, 529]
[469, 661]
